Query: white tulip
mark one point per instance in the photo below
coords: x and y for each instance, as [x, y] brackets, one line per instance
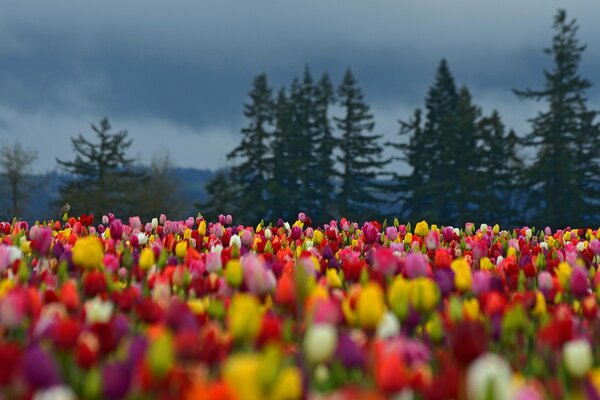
[389, 326]
[235, 240]
[489, 377]
[320, 342]
[577, 355]
[97, 310]
[55, 393]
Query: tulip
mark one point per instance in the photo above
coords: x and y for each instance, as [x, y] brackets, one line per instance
[389, 326]
[578, 358]
[160, 355]
[234, 274]
[320, 341]
[370, 307]
[244, 317]
[489, 377]
[370, 232]
[116, 379]
[98, 311]
[240, 372]
[462, 274]
[40, 370]
[288, 385]
[579, 283]
[147, 259]
[88, 252]
[55, 393]
[424, 294]
[422, 229]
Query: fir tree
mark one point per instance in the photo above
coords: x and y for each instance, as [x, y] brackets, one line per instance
[101, 178]
[361, 154]
[250, 174]
[564, 178]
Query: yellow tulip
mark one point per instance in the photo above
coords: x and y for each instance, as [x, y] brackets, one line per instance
[424, 294]
[234, 275]
[181, 249]
[244, 317]
[288, 385]
[88, 252]
[202, 228]
[370, 306]
[563, 273]
[147, 258]
[422, 229]
[462, 274]
[240, 373]
[333, 278]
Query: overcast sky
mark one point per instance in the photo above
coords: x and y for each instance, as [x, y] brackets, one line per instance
[176, 73]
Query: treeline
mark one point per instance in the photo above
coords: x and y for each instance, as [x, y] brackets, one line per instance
[312, 146]
[295, 155]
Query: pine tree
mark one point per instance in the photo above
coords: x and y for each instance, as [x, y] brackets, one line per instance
[564, 178]
[250, 176]
[361, 154]
[101, 178]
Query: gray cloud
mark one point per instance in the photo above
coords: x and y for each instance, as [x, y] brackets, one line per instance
[181, 70]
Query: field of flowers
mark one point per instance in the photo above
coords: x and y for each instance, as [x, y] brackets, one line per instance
[210, 310]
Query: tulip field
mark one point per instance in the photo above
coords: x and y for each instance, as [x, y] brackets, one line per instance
[197, 309]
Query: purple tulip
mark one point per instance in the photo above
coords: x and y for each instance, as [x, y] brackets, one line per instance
[116, 378]
[40, 370]
[349, 353]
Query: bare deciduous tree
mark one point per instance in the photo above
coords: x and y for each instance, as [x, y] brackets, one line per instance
[15, 163]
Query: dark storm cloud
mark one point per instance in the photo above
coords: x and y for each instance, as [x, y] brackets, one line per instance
[182, 69]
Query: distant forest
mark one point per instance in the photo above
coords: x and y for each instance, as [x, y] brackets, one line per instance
[297, 154]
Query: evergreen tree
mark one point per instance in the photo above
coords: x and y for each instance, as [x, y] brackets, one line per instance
[563, 181]
[221, 197]
[250, 176]
[361, 154]
[444, 184]
[414, 152]
[499, 168]
[430, 152]
[101, 178]
[468, 188]
[323, 170]
[283, 197]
